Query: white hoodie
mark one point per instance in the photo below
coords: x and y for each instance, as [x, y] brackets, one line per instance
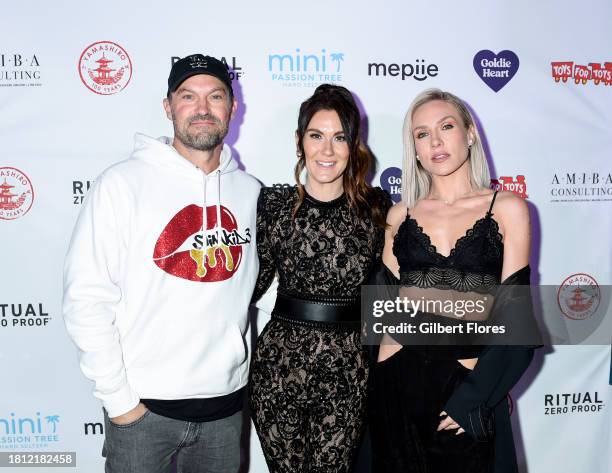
[156, 310]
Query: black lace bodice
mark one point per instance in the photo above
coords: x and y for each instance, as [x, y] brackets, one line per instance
[325, 251]
[474, 264]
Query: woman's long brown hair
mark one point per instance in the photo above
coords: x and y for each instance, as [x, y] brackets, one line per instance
[361, 196]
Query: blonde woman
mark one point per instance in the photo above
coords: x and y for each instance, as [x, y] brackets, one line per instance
[443, 408]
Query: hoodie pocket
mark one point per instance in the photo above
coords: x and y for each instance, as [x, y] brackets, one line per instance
[239, 345]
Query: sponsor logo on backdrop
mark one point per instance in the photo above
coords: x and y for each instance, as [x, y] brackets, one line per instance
[496, 70]
[579, 296]
[573, 403]
[19, 70]
[581, 186]
[595, 72]
[93, 428]
[235, 71]
[23, 315]
[418, 70]
[508, 183]
[391, 181]
[180, 247]
[16, 193]
[29, 431]
[79, 191]
[105, 68]
[305, 68]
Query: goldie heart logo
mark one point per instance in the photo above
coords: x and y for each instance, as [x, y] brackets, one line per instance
[496, 70]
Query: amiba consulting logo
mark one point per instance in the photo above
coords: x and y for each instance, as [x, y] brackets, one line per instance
[36, 431]
[19, 70]
[305, 68]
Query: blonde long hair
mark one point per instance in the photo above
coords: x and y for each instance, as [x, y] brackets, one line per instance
[416, 181]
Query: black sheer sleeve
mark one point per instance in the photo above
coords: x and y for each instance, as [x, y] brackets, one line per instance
[265, 222]
[384, 203]
[498, 369]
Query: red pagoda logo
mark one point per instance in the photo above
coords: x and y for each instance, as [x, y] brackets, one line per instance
[507, 183]
[105, 68]
[16, 193]
[579, 296]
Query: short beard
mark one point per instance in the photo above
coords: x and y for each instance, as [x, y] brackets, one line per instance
[204, 140]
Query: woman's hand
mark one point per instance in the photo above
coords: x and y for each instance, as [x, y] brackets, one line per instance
[448, 423]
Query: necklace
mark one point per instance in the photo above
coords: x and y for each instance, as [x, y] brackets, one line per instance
[447, 202]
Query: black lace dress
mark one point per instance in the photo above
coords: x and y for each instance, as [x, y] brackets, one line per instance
[414, 385]
[308, 380]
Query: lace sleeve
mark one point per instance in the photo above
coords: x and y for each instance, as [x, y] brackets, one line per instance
[384, 204]
[267, 264]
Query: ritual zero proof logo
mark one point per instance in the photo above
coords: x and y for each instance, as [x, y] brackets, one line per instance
[184, 251]
[105, 68]
[16, 193]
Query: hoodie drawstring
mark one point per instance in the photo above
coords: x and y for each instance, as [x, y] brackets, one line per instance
[218, 205]
[204, 221]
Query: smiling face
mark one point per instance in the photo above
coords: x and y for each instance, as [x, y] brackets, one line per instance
[441, 138]
[326, 150]
[200, 110]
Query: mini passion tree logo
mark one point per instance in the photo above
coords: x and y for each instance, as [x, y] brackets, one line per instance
[28, 432]
[309, 68]
[105, 68]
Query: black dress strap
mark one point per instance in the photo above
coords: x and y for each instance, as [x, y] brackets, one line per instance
[489, 213]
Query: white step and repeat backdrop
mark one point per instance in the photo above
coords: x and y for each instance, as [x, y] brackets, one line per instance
[537, 74]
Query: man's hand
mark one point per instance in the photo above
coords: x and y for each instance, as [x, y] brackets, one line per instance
[448, 423]
[130, 416]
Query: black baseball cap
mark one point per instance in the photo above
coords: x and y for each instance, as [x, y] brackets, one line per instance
[195, 64]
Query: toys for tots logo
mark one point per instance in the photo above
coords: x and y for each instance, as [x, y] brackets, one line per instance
[105, 68]
[595, 72]
[16, 193]
[185, 251]
[578, 296]
[507, 183]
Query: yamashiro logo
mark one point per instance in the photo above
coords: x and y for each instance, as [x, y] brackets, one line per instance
[579, 296]
[300, 68]
[105, 68]
[16, 193]
[180, 248]
[30, 432]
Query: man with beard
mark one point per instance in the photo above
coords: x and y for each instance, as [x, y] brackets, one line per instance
[157, 283]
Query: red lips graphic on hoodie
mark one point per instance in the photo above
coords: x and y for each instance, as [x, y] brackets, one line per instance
[179, 250]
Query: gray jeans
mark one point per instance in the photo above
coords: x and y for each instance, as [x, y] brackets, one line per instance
[157, 444]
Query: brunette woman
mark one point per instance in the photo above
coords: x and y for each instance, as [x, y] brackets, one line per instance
[309, 372]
